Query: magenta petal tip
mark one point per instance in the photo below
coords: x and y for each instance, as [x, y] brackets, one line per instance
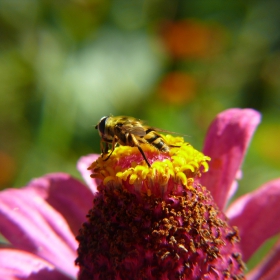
[226, 143]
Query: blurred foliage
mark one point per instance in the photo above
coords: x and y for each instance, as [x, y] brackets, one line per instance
[174, 63]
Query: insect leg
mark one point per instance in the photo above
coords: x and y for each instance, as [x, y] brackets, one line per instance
[104, 150]
[135, 142]
[174, 146]
[101, 146]
[114, 142]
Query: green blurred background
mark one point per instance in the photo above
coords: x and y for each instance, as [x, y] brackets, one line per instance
[176, 64]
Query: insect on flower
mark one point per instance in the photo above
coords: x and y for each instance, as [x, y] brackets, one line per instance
[128, 131]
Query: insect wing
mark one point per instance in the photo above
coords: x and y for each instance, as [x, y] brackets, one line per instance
[136, 130]
[168, 132]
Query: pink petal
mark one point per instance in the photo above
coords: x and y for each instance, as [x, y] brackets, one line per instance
[269, 268]
[83, 164]
[17, 264]
[226, 143]
[29, 223]
[257, 216]
[67, 195]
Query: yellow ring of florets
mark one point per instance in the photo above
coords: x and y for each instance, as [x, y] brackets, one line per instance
[183, 166]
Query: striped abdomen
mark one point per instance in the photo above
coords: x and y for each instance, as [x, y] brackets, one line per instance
[156, 140]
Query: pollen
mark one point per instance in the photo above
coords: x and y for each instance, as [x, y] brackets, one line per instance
[156, 222]
[180, 165]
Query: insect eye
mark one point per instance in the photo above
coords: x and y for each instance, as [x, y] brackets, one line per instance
[101, 125]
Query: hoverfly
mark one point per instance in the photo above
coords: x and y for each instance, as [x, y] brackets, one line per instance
[128, 131]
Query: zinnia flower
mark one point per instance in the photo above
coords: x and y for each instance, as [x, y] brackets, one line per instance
[157, 223]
